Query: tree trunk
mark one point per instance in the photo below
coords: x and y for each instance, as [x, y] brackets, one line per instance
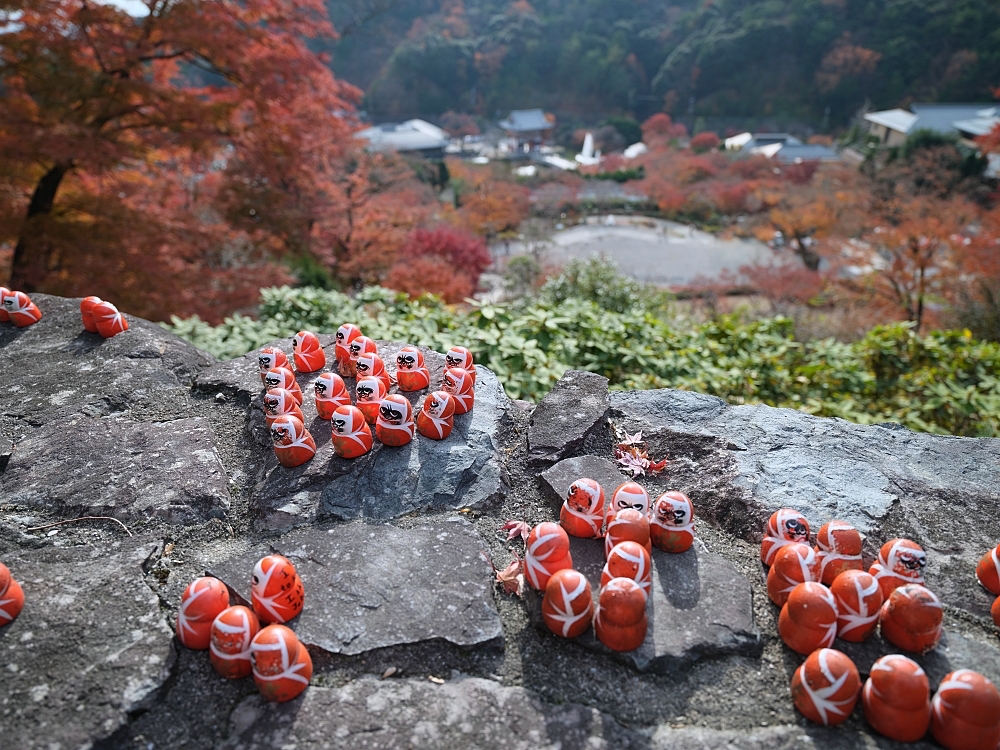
[30, 255]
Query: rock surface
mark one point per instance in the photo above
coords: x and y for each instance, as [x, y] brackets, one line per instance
[90, 646]
[558, 478]
[573, 410]
[370, 587]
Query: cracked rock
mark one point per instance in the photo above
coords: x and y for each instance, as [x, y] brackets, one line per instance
[573, 410]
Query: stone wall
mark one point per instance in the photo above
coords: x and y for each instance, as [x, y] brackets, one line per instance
[412, 644]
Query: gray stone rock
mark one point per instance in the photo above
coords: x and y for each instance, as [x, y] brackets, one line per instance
[763, 738]
[700, 606]
[370, 587]
[558, 478]
[573, 410]
[131, 470]
[462, 713]
[940, 491]
[90, 646]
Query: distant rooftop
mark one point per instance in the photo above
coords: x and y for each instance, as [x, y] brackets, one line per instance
[941, 118]
[894, 119]
[525, 121]
[412, 135]
[794, 153]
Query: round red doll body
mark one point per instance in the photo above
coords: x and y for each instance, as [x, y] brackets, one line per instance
[394, 425]
[370, 365]
[582, 512]
[436, 417]
[784, 527]
[620, 620]
[839, 547]
[546, 551]
[627, 495]
[109, 321]
[282, 377]
[568, 605]
[995, 612]
[22, 312]
[460, 357]
[628, 560]
[795, 563]
[4, 317]
[307, 352]
[11, 597]
[808, 620]
[268, 358]
[279, 403]
[460, 384]
[351, 437]
[900, 561]
[293, 445]
[911, 618]
[282, 666]
[276, 590]
[229, 650]
[825, 688]
[988, 571]
[411, 374]
[359, 345]
[627, 525]
[345, 335]
[87, 313]
[671, 524]
[965, 712]
[331, 392]
[201, 602]
[369, 393]
[859, 600]
[897, 699]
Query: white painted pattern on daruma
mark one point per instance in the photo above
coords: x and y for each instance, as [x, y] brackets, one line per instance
[534, 561]
[940, 703]
[589, 491]
[199, 588]
[860, 616]
[289, 670]
[822, 697]
[242, 629]
[643, 575]
[905, 560]
[259, 586]
[564, 613]
[806, 562]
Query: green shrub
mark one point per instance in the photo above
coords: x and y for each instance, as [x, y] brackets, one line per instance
[944, 382]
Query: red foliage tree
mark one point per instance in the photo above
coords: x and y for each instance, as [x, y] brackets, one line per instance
[706, 141]
[465, 251]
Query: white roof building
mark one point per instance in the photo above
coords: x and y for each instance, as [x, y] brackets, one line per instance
[412, 135]
[892, 126]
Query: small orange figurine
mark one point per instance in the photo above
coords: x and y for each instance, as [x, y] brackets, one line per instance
[229, 650]
[629, 560]
[410, 371]
[627, 495]
[436, 418]
[582, 512]
[280, 403]
[282, 666]
[839, 547]
[897, 699]
[627, 525]
[394, 425]
[808, 620]
[87, 313]
[201, 602]
[370, 392]
[352, 437]
[282, 377]
[545, 551]
[671, 525]
[276, 590]
[331, 392]
[460, 384]
[825, 688]
[568, 605]
[795, 563]
[268, 358]
[988, 571]
[293, 445]
[345, 335]
[900, 561]
[307, 352]
[784, 527]
[911, 618]
[11, 597]
[620, 620]
[359, 345]
[859, 600]
[4, 317]
[965, 712]
[460, 357]
[995, 612]
[109, 321]
[371, 365]
[21, 311]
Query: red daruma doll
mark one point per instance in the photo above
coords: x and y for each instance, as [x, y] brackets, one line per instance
[351, 435]
[671, 524]
[229, 650]
[11, 597]
[331, 392]
[546, 551]
[582, 512]
[307, 353]
[282, 666]
[201, 602]
[394, 425]
[436, 418]
[345, 335]
[276, 589]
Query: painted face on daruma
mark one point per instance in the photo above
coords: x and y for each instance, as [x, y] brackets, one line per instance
[394, 411]
[347, 333]
[630, 495]
[361, 345]
[584, 496]
[409, 358]
[672, 512]
[368, 389]
[459, 356]
[437, 405]
[907, 562]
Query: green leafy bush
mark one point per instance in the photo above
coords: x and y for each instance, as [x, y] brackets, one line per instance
[944, 382]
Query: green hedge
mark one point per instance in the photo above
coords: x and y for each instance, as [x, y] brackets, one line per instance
[944, 382]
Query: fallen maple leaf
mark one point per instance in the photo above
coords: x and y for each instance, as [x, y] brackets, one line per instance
[635, 439]
[512, 577]
[516, 528]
